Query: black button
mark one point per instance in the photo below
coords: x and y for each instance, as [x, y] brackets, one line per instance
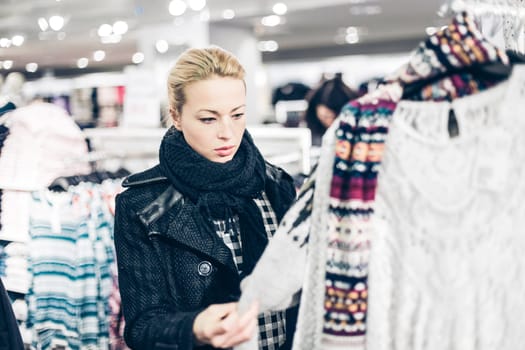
[205, 268]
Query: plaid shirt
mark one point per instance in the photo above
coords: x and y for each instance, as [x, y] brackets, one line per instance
[271, 324]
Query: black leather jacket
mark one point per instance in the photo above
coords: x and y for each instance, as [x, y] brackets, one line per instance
[170, 268]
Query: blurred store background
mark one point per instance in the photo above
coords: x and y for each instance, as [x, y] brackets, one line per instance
[58, 45]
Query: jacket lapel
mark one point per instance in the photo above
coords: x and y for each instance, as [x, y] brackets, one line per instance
[184, 225]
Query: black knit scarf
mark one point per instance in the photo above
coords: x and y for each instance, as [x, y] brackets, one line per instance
[220, 190]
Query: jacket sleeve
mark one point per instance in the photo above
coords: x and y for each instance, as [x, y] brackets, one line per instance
[152, 322]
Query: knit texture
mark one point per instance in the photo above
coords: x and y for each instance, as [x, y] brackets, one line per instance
[359, 150]
[334, 298]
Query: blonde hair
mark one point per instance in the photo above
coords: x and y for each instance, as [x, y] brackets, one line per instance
[198, 64]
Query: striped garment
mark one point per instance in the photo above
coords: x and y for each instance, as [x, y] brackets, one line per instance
[70, 262]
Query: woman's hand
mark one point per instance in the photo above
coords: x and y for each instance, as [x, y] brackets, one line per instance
[221, 326]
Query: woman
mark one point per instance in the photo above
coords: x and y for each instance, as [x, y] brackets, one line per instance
[189, 229]
[324, 105]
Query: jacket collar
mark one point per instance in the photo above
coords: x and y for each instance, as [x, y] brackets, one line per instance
[149, 176]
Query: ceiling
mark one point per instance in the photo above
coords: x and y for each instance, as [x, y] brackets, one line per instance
[309, 29]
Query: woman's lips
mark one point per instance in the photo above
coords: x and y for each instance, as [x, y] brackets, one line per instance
[224, 151]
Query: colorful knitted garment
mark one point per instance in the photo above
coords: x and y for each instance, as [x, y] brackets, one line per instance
[322, 244]
[359, 147]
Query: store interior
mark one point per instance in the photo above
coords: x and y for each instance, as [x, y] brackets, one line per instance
[106, 64]
[101, 68]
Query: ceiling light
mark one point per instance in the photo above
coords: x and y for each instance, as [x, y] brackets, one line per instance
[56, 22]
[268, 46]
[138, 57]
[228, 14]
[271, 21]
[197, 5]
[352, 35]
[120, 27]
[105, 30]
[8, 64]
[177, 7]
[18, 40]
[42, 23]
[82, 62]
[32, 67]
[99, 55]
[5, 42]
[352, 31]
[352, 38]
[162, 46]
[279, 8]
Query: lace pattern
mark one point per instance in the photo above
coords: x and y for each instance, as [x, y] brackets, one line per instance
[446, 265]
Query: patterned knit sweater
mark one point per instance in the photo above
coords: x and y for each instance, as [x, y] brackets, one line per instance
[333, 214]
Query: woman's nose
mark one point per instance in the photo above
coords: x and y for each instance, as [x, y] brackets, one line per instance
[225, 130]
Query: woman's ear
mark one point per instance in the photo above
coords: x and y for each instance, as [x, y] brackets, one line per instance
[175, 116]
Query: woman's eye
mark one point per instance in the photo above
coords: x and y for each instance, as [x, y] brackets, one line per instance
[207, 120]
[238, 115]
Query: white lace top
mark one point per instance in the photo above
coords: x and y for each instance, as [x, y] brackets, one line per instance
[447, 263]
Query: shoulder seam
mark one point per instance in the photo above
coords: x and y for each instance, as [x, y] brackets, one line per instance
[127, 183]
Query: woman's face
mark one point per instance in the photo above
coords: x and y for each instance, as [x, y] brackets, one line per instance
[325, 115]
[212, 119]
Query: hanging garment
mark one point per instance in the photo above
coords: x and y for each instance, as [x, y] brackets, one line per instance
[17, 278]
[71, 258]
[447, 251]
[334, 292]
[42, 140]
